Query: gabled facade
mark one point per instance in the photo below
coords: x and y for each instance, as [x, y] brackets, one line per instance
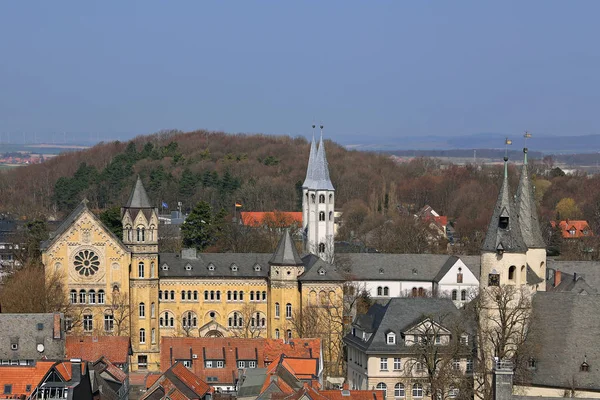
[178, 382]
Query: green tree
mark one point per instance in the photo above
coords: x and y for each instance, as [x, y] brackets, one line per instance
[202, 227]
[567, 209]
[187, 183]
[111, 218]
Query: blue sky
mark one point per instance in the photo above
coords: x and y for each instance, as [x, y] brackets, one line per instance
[376, 70]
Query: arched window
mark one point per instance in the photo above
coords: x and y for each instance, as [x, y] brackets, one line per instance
[331, 215]
[141, 269]
[414, 292]
[152, 310]
[142, 335]
[277, 311]
[252, 295]
[92, 296]
[454, 294]
[321, 247]
[322, 198]
[206, 295]
[189, 320]
[523, 275]
[235, 320]
[166, 320]
[82, 296]
[183, 295]
[229, 295]
[143, 235]
[139, 235]
[129, 234]
[322, 216]
[382, 386]
[399, 391]
[421, 292]
[417, 390]
[100, 296]
[142, 309]
[241, 295]
[218, 295]
[276, 333]
[379, 291]
[195, 295]
[264, 295]
[390, 338]
[152, 269]
[160, 294]
[463, 295]
[313, 198]
[73, 296]
[289, 333]
[212, 294]
[288, 310]
[511, 273]
[172, 295]
[189, 294]
[153, 335]
[331, 198]
[386, 291]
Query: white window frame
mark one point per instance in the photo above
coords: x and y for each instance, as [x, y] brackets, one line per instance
[383, 364]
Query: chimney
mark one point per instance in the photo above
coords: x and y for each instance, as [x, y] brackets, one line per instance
[503, 380]
[188, 254]
[345, 386]
[75, 370]
[557, 275]
[575, 276]
[57, 326]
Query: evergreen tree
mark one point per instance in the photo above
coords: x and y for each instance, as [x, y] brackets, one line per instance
[111, 218]
[187, 183]
[202, 227]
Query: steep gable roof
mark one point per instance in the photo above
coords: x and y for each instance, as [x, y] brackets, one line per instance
[309, 180]
[138, 197]
[527, 212]
[321, 180]
[23, 376]
[178, 382]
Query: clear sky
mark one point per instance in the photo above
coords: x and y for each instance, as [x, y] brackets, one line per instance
[369, 70]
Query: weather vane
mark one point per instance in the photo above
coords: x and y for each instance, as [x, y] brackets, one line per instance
[507, 142]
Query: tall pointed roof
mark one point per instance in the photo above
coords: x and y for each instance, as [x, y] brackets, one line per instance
[286, 253]
[503, 232]
[320, 171]
[139, 197]
[309, 182]
[526, 210]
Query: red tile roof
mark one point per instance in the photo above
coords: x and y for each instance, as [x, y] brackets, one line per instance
[91, 348]
[302, 368]
[301, 348]
[20, 376]
[272, 219]
[354, 395]
[151, 379]
[177, 382]
[574, 229]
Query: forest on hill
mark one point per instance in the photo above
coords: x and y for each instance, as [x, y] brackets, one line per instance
[265, 173]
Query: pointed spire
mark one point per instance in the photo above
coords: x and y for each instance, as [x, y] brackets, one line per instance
[309, 182]
[321, 180]
[286, 253]
[138, 197]
[503, 234]
[526, 210]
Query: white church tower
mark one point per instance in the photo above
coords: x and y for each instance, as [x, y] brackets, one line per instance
[318, 202]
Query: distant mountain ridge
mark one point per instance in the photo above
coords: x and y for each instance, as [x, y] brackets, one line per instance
[540, 143]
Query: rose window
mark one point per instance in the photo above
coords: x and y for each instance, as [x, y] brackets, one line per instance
[86, 262]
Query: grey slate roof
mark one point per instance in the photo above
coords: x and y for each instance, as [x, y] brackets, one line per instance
[308, 181]
[532, 277]
[397, 315]
[286, 253]
[223, 265]
[319, 169]
[138, 197]
[313, 264]
[588, 270]
[507, 239]
[526, 211]
[23, 329]
[567, 332]
[253, 380]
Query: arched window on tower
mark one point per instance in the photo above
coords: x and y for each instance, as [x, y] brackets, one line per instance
[454, 294]
[379, 291]
[331, 215]
[321, 247]
[141, 269]
[143, 235]
[313, 198]
[139, 234]
[511, 273]
[523, 274]
[330, 198]
[322, 215]
[322, 199]
[152, 269]
[463, 295]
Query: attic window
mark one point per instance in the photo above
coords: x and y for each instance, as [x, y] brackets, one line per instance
[321, 271]
[257, 267]
[381, 270]
[188, 267]
[234, 267]
[585, 367]
[14, 346]
[165, 267]
[531, 364]
[390, 338]
[211, 267]
[503, 222]
[40, 326]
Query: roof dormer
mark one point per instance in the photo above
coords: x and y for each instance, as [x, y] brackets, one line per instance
[211, 267]
[233, 267]
[188, 267]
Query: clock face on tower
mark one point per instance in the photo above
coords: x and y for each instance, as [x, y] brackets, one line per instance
[86, 262]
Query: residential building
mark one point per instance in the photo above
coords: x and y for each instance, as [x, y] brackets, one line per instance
[26, 338]
[574, 229]
[110, 381]
[116, 349]
[388, 347]
[178, 382]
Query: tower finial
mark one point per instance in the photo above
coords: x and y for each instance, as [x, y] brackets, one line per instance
[321, 132]
[527, 135]
[505, 166]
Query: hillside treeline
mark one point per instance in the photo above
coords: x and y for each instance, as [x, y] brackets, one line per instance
[266, 172]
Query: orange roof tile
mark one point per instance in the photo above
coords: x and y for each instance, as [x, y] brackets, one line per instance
[151, 379]
[91, 348]
[171, 383]
[354, 395]
[302, 368]
[574, 228]
[20, 376]
[301, 348]
[272, 219]
[190, 380]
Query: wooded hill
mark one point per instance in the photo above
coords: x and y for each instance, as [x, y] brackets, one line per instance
[266, 172]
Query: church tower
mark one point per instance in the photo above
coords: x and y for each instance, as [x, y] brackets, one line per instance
[140, 235]
[530, 227]
[503, 255]
[285, 266]
[318, 203]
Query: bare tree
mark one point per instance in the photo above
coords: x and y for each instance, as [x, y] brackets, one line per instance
[121, 312]
[251, 323]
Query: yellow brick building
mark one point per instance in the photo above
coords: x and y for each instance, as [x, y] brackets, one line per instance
[126, 286]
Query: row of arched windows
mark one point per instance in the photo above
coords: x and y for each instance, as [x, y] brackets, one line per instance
[258, 296]
[322, 216]
[89, 297]
[142, 271]
[143, 336]
[235, 295]
[288, 334]
[463, 295]
[383, 291]
[166, 295]
[313, 198]
[142, 310]
[140, 233]
[288, 310]
[420, 292]
[189, 295]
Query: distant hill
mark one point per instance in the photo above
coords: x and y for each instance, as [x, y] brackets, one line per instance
[262, 172]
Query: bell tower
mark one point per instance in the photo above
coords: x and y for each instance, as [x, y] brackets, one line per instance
[318, 204]
[140, 235]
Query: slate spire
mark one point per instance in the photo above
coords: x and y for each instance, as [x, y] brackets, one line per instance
[309, 181]
[139, 197]
[526, 210]
[503, 234]
[321, 180]
[286, 253]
